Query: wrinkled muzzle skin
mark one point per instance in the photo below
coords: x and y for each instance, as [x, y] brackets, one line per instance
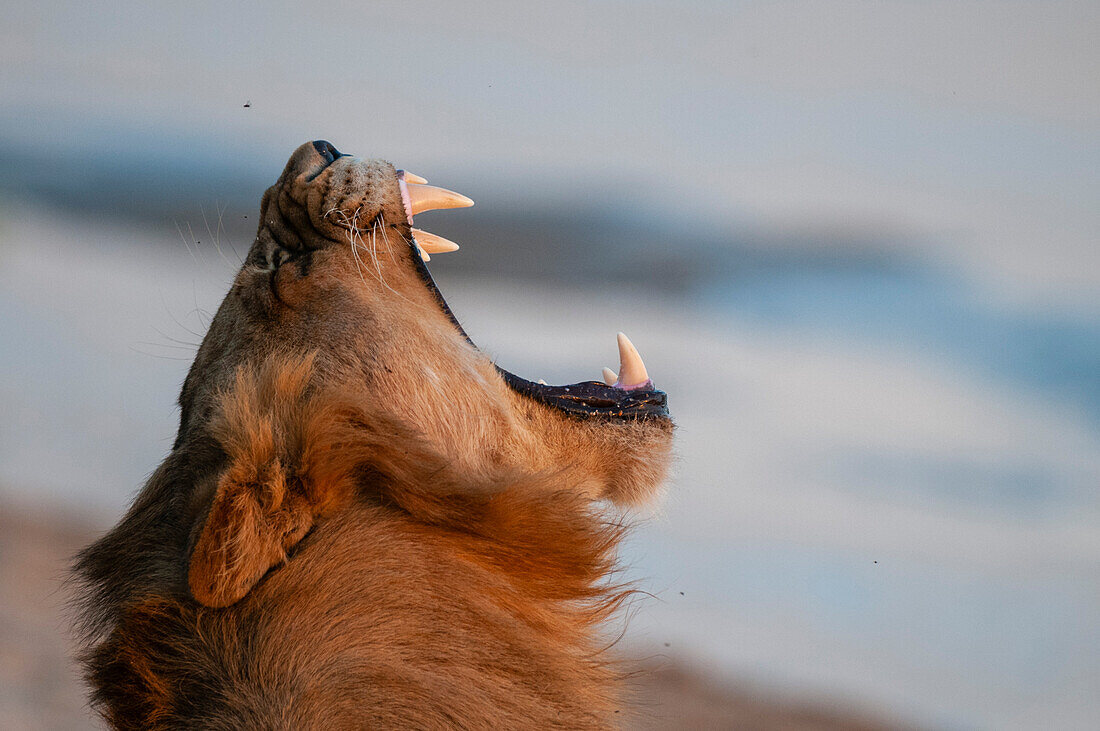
[340, 432]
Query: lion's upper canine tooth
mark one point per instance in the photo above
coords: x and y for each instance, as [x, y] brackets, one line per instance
[412, 177]
[430, 197]
[433, 244]
[631, 368]
[609, 376]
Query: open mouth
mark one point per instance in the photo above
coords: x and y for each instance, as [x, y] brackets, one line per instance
[627, 394]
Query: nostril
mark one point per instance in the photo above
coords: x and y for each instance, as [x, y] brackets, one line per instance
[326, 149]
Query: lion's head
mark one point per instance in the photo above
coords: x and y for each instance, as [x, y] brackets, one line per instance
[334, 306]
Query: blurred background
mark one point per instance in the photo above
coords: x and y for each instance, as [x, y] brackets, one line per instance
[857, 243]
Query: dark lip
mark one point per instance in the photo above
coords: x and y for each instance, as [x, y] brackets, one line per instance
[586, 399]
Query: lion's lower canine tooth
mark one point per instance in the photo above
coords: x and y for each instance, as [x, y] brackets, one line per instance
[430, 197]
[423, 254]
[631, 368]
[609, 376]
[433, 244]
[413, 177]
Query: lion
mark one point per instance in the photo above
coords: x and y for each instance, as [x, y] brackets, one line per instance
[363, 521]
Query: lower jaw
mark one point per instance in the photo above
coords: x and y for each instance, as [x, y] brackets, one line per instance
[589, 399]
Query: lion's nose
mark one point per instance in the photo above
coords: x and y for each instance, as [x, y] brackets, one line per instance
[327, 150]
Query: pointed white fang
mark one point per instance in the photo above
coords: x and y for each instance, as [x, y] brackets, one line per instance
[430, 197]
[413, 178]
[433, 244]
[609, 376]
[631, 368]
[423, 254]
[542, 382]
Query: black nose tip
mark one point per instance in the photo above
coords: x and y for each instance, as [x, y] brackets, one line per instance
[326, 149]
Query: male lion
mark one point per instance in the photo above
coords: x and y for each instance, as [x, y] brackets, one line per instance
[364, 522]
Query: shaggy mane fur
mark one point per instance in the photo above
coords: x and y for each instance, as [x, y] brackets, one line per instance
[521, 561]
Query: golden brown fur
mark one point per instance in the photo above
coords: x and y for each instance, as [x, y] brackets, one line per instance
[360, 525]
